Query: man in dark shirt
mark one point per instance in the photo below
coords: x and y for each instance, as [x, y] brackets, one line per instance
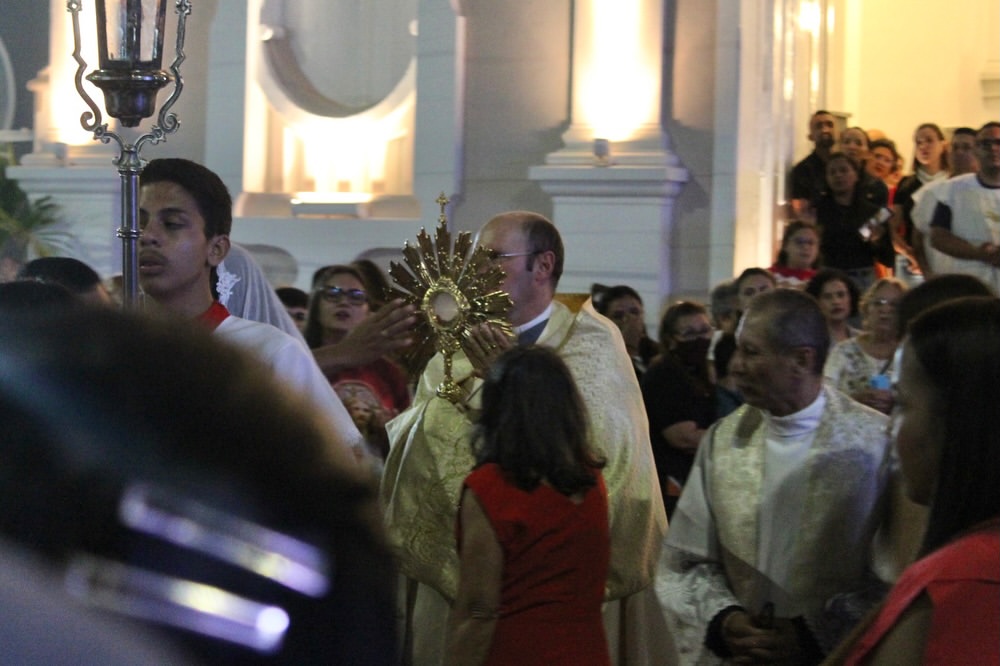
[808, 178]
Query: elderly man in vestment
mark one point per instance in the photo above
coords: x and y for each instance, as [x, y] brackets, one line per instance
[431, 454]
[779, 512]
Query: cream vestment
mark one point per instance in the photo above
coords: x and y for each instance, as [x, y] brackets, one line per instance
[431, 456]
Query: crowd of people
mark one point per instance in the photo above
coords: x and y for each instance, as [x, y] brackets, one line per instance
[817, 435]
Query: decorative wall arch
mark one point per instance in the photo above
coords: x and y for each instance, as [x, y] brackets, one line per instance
[337, 83]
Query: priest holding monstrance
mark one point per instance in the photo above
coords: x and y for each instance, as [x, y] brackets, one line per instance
[519, 253]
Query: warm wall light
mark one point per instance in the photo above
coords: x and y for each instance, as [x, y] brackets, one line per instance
[809, 17]
[619, 86]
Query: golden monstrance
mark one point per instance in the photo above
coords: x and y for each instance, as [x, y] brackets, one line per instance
[454, 288]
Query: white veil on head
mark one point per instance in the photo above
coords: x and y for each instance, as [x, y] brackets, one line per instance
[244, 290]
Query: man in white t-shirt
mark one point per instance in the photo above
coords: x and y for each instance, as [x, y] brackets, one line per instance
[966, 224]
[185, 215]
[962, 155]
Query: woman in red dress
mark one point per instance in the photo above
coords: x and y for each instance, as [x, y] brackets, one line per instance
[945, 607]
[533, 524]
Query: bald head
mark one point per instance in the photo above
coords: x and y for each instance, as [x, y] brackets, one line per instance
[530, 251]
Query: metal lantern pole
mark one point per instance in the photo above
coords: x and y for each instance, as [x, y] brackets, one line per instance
[130, 77]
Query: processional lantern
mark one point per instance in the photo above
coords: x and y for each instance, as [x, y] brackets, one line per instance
[130, 55]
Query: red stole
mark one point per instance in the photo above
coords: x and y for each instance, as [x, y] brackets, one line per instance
[214, 315]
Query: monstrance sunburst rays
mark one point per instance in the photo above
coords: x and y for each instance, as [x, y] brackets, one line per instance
[454, 289]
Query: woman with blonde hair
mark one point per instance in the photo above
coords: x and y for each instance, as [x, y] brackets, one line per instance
[931, 164]
[860, 366]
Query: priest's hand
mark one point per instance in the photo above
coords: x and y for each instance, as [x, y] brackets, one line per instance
[753, 644]
[483, 344]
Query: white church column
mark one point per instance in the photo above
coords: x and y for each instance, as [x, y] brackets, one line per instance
[615, 210]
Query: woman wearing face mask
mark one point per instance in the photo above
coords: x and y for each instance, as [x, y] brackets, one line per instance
[679, 397]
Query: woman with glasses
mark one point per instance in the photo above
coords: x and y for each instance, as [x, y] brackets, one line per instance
[679, 396]
[861, 366]
[374, 392]
[798, 258]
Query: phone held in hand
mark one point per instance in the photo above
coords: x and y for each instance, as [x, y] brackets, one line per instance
[871, 227]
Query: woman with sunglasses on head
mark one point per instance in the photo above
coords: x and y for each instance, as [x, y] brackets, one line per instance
[373, 392]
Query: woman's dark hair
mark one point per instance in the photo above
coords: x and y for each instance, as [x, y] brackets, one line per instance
[34, 298]
[815, 286]
[725, 348]
[94, 401]
[73, 274]
[793, 228]
[375, 282]
[292, 297]
[604, 296]
[754, 270]
[847, 158]
[673, 314]
[889, 145]
[957, 344]
[534, 424]
[934, 290]
[313, 332]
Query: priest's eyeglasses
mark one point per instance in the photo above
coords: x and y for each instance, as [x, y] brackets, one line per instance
[497, 257]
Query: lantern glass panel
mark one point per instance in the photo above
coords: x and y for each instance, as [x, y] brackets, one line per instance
[130, 33]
